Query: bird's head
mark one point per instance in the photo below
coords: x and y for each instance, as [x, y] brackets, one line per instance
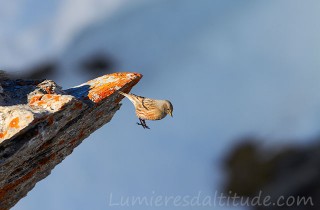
[168, 108]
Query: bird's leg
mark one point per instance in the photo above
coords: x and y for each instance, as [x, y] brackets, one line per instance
[143, 124]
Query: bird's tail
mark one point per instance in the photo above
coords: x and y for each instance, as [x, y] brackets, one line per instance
[122, 93]
[131, 97]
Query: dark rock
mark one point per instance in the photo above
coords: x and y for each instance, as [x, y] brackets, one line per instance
[290, 172]
[97, 64]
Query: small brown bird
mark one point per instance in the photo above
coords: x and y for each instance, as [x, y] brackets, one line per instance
[149, 109]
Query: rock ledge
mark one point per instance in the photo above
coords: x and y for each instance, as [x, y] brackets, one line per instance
[41, 124]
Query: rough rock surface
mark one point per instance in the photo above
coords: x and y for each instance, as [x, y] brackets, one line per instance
[40, 124]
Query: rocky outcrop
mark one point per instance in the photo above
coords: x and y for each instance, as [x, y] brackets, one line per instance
[287, 178]
[40, 124]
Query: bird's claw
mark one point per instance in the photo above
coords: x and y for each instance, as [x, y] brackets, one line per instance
[143, 124]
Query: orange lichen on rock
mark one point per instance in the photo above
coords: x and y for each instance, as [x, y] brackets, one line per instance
[3, 134]
[41, 103]
[14, 123]
[104, 86]
[50, 101]
[101, 92]
[35, 98]
[56, 98]
[41, 99]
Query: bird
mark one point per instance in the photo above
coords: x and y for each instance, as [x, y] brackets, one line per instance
[149, 109]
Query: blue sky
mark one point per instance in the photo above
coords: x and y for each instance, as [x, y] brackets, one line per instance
[230, 69]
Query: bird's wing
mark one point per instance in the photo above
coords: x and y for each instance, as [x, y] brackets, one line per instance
[148, 110]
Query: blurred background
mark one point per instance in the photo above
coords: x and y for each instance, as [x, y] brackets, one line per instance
[243, 77]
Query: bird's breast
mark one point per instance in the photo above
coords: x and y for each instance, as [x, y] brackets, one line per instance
[151, 114]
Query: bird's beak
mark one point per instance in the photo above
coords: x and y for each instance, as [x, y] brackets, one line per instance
[171, 114]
